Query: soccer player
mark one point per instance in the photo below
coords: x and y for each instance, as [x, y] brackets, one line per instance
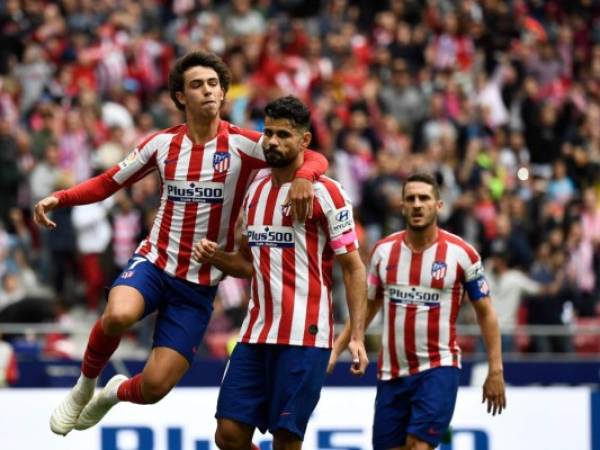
[419, 276]
[275, 373]
[205, 166]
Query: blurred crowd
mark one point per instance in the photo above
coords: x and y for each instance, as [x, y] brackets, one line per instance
[499, 99]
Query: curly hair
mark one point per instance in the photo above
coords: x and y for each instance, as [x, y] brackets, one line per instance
[291, 108]
[193, 59]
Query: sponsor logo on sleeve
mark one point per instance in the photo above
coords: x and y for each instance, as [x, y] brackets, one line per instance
[474, 272]
[341, 221]
[129, 159]
[270, 236]
[195, 191]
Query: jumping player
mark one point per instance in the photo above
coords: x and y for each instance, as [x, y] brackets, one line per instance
[205, 166]
[419, 276]
[276, 371]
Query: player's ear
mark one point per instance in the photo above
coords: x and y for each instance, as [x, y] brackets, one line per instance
[180, 97]
[306, 138]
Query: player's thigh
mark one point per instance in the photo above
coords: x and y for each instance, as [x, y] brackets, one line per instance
[392, 413]
[243, 392]
[415, 443]
[297, 374]
[135, 293]
[433, 404]
[183, 316]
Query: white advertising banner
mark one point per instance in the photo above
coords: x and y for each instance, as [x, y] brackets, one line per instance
[536, 418]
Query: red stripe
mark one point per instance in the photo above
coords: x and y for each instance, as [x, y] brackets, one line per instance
[410, 347]
[433, 315]
[380, 364]
[246, 171]
[456, 296]
[165, 223]
[314, 283]
[473, 256]
[256, 307]
[173, 130]
[265, 266]
[188, 226]
[214, 217]
[288, 268]
[392, 278]
[334, 192]
[254, 311]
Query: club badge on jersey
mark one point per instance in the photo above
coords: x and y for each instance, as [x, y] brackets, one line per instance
[221, 161]
[270, 236]
[438, 270]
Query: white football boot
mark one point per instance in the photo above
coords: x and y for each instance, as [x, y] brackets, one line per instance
[65, 415]
[98, 406]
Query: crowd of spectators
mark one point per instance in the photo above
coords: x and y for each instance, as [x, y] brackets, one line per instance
[499, 99]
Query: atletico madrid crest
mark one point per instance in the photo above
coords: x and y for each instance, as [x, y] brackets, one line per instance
[221, 161]
[438, 270]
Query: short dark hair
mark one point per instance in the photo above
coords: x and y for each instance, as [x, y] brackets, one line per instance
[193, 59]
[423, 178]
[291, 108]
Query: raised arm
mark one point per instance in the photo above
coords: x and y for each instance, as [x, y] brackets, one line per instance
[237, 264]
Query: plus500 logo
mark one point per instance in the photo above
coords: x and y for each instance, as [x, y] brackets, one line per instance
[121, 438]
[409, 296]
[205, 192]
[275, 236]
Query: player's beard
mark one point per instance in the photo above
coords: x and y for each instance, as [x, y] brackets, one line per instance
[275, 158]
[432, 219]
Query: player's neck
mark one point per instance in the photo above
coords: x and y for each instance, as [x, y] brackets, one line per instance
[201, 131]
[420, 240]
[282, 175]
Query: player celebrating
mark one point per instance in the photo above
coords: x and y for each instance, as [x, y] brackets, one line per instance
[419, 276]
[276, 370]
[205, 166]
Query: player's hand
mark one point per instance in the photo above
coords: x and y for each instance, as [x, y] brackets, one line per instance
[41, 209]
[300, 198]
[204, 250]
[359, 357]
[494, 392]
[332, 360]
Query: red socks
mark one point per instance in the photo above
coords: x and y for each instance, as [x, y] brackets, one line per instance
[131, 390]
[99, 349]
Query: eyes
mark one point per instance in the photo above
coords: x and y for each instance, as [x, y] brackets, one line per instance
[281, 134]
[212, 82]
[422, 198]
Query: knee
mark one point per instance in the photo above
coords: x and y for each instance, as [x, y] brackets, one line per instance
[286, 440]
[116, 321]
[227, 440]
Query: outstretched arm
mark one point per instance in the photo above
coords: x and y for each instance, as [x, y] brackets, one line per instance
[493, 388]
[237, 264]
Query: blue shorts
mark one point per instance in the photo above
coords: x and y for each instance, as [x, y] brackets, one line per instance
[421, 405]
[272, 387]
[184, 308]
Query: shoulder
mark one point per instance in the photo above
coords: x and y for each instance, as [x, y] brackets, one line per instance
[385, 244]
[161, 136]
[331, 191]
[258, 184]
[243, 134]
[460, 245]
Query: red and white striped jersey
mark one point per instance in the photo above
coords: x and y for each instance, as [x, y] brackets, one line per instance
[201, 194]
[421, 295]
[291, 286]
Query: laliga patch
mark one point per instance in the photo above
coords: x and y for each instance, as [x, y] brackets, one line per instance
[341, 221]
[474, 272]
[129, 159]
[270, 236]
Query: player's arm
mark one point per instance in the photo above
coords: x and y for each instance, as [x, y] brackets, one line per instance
[301, 193]
[135, 166]
[355, 282]
[237, 264]
[478, 292]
